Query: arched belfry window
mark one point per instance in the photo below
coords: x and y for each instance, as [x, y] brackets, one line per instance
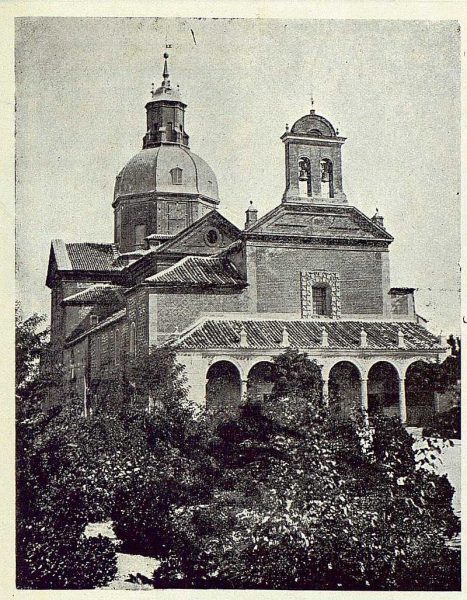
[177, 176]
[304, 177]
[327, 187]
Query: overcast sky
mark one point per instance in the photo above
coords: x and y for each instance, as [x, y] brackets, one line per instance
[391, 87]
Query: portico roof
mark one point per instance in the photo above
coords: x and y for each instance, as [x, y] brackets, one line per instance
[257, 333]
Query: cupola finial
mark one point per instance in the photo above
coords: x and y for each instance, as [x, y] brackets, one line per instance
[165, 73]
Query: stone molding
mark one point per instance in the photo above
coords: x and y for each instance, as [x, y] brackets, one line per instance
[310, 278]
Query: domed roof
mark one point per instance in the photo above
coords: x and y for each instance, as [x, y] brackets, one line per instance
[314, 125]
[152, 170]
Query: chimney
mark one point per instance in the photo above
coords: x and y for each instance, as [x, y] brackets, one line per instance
[251, 215]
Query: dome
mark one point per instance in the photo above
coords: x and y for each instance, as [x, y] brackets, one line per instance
[166, 93]
[314, 125]
[168, 168]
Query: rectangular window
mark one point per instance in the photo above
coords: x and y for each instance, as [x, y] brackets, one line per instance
[118, 227]
[140, 234]
[319, 300]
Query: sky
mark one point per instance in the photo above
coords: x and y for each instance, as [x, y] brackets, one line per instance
[392, 88]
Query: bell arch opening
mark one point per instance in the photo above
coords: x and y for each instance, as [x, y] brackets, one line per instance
[327, 178]
[304, 177]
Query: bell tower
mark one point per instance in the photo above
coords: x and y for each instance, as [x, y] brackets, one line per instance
[313, 165]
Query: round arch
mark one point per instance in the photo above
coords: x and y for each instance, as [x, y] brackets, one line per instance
[259, 382]
[223, 388]
[419, 392]
[383, 389]
[226, 358]
[344, 389]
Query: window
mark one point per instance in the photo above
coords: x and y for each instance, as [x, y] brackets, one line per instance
[72, 366]
[140, 234]
[176, 174]
[212, 237]
[118, 227]
[321, 300]
[304, 177]
[117, 347]
[320, 293]
[132, 339]
[97, 351]
[327, 187]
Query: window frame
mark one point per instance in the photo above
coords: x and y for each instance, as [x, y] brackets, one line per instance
[176, 175]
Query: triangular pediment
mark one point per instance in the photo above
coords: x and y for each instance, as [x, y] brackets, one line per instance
[314, 221]
[206, 236]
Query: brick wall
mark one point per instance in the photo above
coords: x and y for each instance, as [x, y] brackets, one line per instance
[169, 311]
[137, 308]
[278, 278]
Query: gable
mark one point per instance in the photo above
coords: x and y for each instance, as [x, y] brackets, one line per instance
[204, 237]
[321, 222]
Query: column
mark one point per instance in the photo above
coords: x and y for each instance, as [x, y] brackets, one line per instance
[402, 405]
[326, 392]
[364, 393]
[243, 390]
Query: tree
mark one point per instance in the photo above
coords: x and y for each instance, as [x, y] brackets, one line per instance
[171, 466]
[52, 550]
[304, 502]
[30, 344]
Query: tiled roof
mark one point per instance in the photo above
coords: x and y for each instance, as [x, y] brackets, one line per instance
[267, 334]
[99, 293]
[106, 317]
[200, 270]
[86, 256]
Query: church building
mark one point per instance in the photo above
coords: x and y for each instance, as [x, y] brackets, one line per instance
[312, 274]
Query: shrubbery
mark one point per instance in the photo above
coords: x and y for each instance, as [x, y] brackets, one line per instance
[280, 496]
[52, 505]
[307, 503]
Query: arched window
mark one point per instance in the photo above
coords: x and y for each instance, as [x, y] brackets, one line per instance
[304, 177]
[327, 187]
[321, 296]
[177, 176]
[117, 347]
[133, 339]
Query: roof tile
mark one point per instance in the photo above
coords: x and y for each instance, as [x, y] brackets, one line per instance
[342, 335]
[200, 270]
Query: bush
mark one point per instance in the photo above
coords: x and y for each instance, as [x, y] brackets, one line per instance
[307, 503]
[52, 511]
[446, 425]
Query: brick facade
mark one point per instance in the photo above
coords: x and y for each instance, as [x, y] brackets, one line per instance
[362, 285]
